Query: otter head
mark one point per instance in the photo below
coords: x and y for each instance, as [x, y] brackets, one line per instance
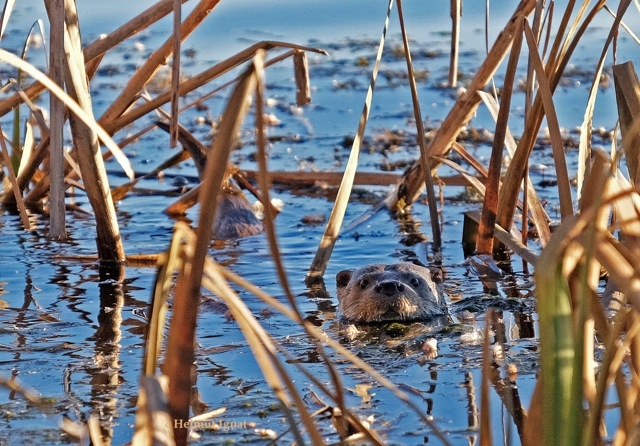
[382, 293]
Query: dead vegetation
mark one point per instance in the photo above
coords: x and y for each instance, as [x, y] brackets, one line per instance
[569, 400]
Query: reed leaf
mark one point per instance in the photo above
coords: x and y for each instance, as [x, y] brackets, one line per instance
[180, 346]
[564, 185]
[561, 418]
[494, 107]
[198, 81]
[94, 52]
[87, 119]
[155, 61]
[628, 99]
[24, 217]
[7, 9]
[408, 190]
[17, 153]
[275, 252]
[323, 254]
[265, 186]
[584, 150]
[153, 421]
[484, 241]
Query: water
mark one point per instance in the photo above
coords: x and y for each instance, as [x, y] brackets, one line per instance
[55, 338]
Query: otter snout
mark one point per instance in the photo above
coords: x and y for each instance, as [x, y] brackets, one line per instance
[389, 288]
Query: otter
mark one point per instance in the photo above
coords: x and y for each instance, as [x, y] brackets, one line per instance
[386, 293]
[234, 218]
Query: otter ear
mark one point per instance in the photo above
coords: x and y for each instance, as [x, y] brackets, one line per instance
[436, 274]
[343, 278]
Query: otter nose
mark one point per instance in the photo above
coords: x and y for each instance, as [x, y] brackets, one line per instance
[389, 288]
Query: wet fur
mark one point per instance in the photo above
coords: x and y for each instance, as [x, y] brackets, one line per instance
[384, 293]
[234, 217]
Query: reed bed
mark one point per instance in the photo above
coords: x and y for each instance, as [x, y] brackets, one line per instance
[569, 401]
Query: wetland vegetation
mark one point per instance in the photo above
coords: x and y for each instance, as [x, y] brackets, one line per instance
[127, 314]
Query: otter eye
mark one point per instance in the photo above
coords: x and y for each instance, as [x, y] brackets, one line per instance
[364, 283]
[415, 282]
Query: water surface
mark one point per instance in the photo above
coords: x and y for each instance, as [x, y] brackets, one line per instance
[78, 340]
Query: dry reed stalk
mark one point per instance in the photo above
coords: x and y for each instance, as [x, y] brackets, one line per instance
[57, 222]
[94, 176]
[485, 412]
[294, 180]
[151, 394]
[411, 185]
[323, 254]
[72, 105]
[456, 13]
[30, 168]
[319, 335]
[544, 89]
[302, 179]
[265, 186]
[180, 346]
[554, 68]
[298, 72]
[569, 311]
[424, 157]
[153, 421]
[537, 27]
[154, 62]
[199, 80]
[484, 241]
[184, 203]
[94, 51]
[530, 198]
[584, 148]
[301, 76]
[628, 99]
[509, 240]
[175, 73]
[119, 192]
